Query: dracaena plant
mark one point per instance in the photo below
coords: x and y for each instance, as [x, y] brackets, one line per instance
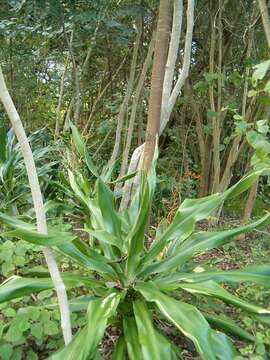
[131, 285]
[13, 189]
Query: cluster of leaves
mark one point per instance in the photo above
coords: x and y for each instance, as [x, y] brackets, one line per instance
[14, 191]
[131, 285]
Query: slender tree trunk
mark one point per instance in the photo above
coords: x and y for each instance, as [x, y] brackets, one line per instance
[216, 159]
[175, 91]
[135, 103]
[58, 109]
[77, 97]
[38, 205]
[140, 120]
[158, 72]
[124, 105]
[265, 20]
[172, 57]
[250, 202]
[138, 152]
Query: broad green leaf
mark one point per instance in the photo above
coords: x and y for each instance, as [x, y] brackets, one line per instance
[152, 347]
[260, 70]
[120, 349]
[3, 142]
[256, 274]
[23, 231]
[132, 339]
[84, 344]
[75, 305]
[192, 211]
[6, 351]
[210, 288]
[267, 87]
[135, 238]
[54, 238]
[134, 207]
[258, 142]
[184, 316]
[104, 236]
[51, 328]
[262, 126]
[75, 187]
[91, 259]
[228, 326]
[198, 242]
[81, 148]
[252, 93]
[224, 348]
[124, 178]
[16, 286]
[106, 202]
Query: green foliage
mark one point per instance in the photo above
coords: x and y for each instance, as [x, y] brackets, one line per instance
[137, 283]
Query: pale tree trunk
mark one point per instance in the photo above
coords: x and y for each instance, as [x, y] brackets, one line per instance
[215, 122]
[124, 105]
[173, 51]
[58, 109]
[172, 57]
[138, 152]
[135, 103]
[38, 206]
[265, 20]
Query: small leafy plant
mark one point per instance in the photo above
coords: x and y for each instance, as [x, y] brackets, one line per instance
[133, 286]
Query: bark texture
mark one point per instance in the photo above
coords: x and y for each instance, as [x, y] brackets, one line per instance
[158, 72]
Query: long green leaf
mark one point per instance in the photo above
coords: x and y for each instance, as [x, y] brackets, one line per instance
[16, 287]
[228, 326]
[198, 242]
[104, 236]
[184, 316]
[194, 210]
[135, 238]
[3, 142]
[223, 346]
[81, 148]
[132, 339]
[76, 304]
[24, 231]
[106, 202]
[91, 260]
[84, 345]
[256, 274]
[210, 288]
[120, 349]
[124, 178]
[152, 346]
